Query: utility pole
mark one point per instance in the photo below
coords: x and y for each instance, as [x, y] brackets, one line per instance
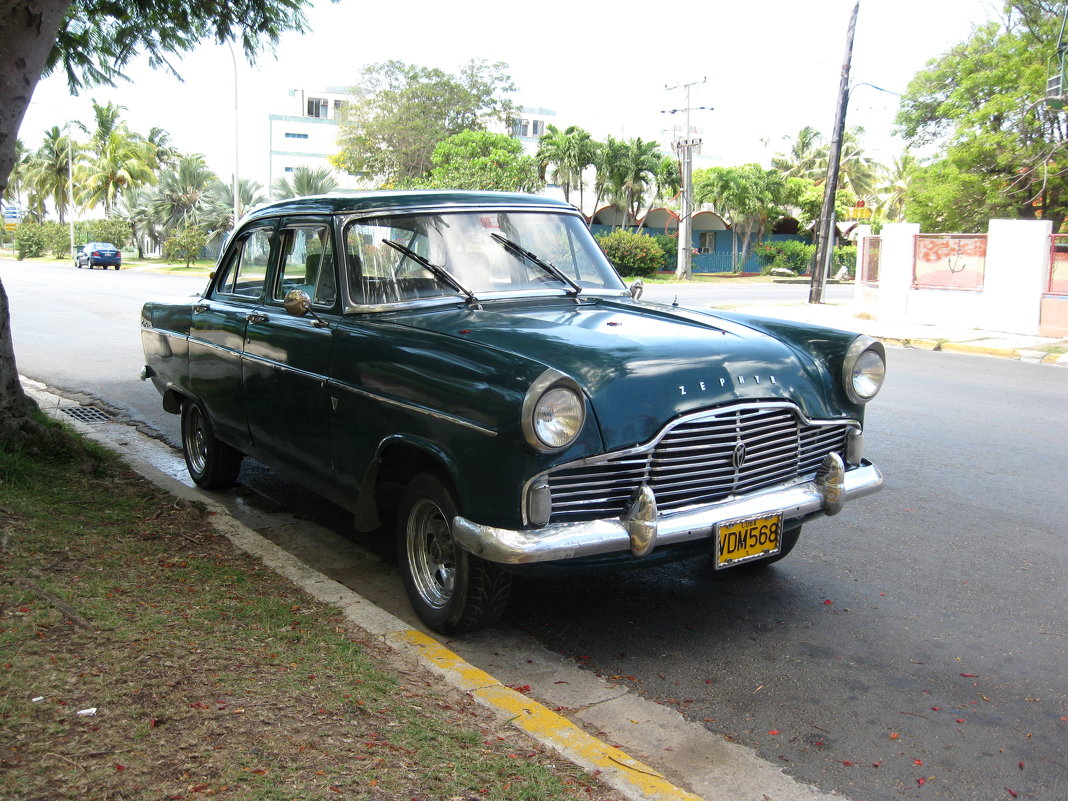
[825, 235]
[684, 146]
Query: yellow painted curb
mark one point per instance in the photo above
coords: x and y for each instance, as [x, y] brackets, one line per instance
[547, 727]
[959, 347]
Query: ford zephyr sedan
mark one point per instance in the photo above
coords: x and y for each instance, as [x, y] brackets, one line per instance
[471, 366]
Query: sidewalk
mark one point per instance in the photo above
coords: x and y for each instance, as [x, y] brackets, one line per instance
[915, 335]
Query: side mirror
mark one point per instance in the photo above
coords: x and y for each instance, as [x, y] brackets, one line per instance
[297, 302]
[636, 288]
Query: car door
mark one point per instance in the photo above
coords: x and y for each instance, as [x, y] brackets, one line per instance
[217, 333]
[287, 357]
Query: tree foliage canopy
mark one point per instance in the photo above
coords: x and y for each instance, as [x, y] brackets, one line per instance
[390, 128]
[483, 160]
[1003, 150]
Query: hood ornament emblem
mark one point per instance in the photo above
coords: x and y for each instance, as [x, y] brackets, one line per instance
[738, 455]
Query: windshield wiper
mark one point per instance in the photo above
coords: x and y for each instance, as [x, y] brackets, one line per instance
[551, 269]
[439, 272]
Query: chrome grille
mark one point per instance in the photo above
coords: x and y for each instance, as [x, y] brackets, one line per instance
[692, 462]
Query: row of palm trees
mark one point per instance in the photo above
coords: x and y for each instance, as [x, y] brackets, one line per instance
[140, 178]
[628, 173]
[634, 174]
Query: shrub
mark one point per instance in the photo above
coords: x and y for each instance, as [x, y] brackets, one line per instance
[114, 230]
[790, 254]
[632, 254]
[57, 239]
[670, 246]
[29, 240]
[185, 244]
[845, 256]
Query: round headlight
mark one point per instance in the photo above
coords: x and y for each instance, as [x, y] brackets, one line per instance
[865, 369]
[558, 417]
[553, 412]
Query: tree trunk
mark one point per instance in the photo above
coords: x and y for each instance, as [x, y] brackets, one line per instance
[27, 34]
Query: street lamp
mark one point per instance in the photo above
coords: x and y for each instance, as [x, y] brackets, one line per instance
[685, 147]
[237, 185]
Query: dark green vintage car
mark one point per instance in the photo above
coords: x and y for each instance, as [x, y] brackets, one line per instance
[475, 355]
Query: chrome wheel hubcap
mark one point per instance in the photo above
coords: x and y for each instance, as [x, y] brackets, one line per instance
[430, 553]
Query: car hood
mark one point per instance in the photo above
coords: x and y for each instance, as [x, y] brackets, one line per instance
[641, 365]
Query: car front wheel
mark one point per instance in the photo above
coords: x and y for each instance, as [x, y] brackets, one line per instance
[212, 464]
[450, 589]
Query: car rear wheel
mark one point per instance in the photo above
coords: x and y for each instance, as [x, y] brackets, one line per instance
[451, 590]
[212, 464]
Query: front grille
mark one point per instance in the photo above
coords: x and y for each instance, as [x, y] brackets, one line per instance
[692, 461]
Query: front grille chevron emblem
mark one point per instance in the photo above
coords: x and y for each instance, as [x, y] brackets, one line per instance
[738, 455]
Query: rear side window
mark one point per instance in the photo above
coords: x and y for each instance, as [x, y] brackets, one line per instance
[246, 270]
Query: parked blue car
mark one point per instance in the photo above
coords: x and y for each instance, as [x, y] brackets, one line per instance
[98, 254]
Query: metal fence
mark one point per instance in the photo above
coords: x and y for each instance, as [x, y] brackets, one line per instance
[869, 259]
[1058, 265]
[949, 261]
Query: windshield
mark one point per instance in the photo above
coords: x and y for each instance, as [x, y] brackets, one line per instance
[462, 245]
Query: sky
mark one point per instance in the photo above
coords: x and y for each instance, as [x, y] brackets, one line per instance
[766, 69]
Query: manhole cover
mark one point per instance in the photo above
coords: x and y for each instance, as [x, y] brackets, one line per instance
[86, 414]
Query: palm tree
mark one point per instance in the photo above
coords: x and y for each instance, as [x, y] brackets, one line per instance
[122, 161]
[106, 119]
[569, 152]
[13, 190]
[668, 178]
[807, 157]
[166, 155]
[219, 203]
[634, 174]
[306, 181]
[181, 193]
[47, 172]
[607, 155]
[135, 206]
[897, 187]
[857, 172]
[750, 196]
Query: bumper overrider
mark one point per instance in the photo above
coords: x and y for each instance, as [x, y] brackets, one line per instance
[642, 528]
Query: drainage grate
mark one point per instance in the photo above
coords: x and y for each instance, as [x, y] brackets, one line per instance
[86, 414]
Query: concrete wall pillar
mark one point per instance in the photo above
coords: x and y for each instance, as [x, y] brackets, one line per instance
[1017, 260]
[898, 251]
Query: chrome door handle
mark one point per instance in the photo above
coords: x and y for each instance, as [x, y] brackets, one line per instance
[256, 318]
[200, 308]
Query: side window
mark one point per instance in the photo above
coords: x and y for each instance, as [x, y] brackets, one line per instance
[308, 263]
[246, 271]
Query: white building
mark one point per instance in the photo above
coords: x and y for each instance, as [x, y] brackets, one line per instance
[305, 134]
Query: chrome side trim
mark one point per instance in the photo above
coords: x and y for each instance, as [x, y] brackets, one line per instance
[213, 346]
[252, 357]
[415, 407]
[613, 535]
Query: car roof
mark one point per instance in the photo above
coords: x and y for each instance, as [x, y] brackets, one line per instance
[422, 200]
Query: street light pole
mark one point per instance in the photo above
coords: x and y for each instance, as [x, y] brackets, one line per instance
[70, 187]
[685, 147]
[825, 241]
[237, 184]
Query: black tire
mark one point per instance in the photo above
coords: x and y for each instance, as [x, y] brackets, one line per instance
[212, 464]
[450, 590]
[789, 540]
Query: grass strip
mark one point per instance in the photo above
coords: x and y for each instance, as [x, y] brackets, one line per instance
[143, 657]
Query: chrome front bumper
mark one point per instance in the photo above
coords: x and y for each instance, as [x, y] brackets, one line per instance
[642, 528]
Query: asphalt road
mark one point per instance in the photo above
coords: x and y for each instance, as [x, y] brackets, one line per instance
[920, 635]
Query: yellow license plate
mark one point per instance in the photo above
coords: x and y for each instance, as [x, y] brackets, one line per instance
[747, 539]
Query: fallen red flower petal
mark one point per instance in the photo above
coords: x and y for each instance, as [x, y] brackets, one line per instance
[917, 762]
[120, 768]
[1010, 792]
[969, 675]
[774, 731]
[847, 763]
[1021, 764]
[828, 602]
[921, 781]
[960, 720]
